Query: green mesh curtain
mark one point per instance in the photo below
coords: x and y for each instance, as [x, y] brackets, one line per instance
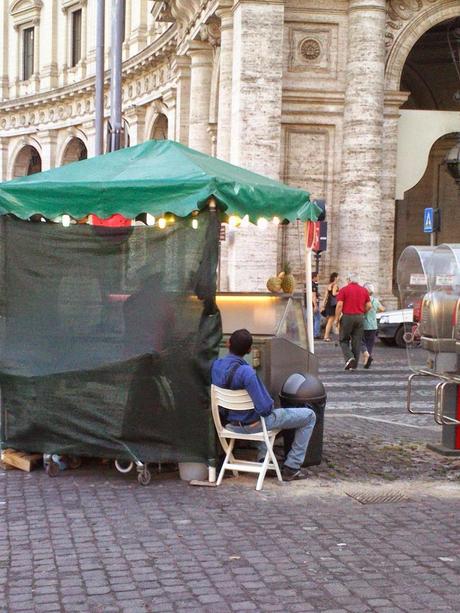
[107, 335]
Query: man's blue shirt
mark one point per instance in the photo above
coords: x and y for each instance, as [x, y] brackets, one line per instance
[244, 378]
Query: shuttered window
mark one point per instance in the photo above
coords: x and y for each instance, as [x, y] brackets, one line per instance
[76, 37]
[28, 53]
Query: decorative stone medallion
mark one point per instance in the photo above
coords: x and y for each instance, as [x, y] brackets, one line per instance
[310, 49]
[313, 49]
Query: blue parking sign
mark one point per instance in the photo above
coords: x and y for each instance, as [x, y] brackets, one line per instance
[428, 216]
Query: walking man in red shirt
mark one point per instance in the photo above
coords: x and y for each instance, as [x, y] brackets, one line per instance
[353, 301]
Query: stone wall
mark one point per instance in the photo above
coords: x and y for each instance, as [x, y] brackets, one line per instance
[300, 90]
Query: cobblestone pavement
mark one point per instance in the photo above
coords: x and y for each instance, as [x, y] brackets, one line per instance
[93, 540]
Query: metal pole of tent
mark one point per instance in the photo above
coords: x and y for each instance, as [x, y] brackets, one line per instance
[118, 26]
[212, 462]
[309, 305]
[100, 42]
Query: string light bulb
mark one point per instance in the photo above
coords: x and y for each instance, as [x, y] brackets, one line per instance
[276, 221]
[234, 221]
[162, 223]
[65, 220]
[262, 223]
[149, 219]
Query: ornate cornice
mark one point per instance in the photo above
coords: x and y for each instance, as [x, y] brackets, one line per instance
[399, 12]
[145, 75]
[23, 11]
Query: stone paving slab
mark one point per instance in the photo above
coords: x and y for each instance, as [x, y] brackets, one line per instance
[95, 541]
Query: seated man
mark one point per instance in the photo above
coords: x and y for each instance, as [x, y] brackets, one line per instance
[233, 372]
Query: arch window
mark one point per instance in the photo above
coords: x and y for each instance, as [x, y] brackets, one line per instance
[160, 127]
[28, 162]
[75, 151]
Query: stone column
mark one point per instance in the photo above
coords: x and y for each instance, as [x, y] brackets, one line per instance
[169, 99]
[48, 140]
[138, 34]
[136, 120]
[224, 115]
[201, 55]
[3, 159]
[257, 83]
[4, 48]
[181, 67]
[361, 199]
[48, 47]
[89, 129]
[393, 102]
[258, 29]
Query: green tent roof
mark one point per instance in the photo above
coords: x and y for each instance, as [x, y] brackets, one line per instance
[155, 177]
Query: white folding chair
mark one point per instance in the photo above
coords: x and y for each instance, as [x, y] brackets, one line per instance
[239, 400]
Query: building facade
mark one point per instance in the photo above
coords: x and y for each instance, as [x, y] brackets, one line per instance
[356, 101]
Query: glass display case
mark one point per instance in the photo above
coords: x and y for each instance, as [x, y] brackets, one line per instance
[278, 325]
[440, 307]
[412, 278]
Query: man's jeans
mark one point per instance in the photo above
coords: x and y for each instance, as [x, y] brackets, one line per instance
[351, 331]
[301, 419]
[316, 323]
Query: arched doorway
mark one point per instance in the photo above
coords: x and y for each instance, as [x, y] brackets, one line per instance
[160, 128]
[431, 74]
[74, 152]
[28, 162]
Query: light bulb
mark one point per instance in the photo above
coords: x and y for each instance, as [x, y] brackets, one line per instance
[150, 219]
[162, 223]
[65, 220]
[262, 223]
[194, 224]
[234, 221]
[276, 221]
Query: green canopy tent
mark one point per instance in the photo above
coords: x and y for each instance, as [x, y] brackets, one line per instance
[107, 336]
[154, 177]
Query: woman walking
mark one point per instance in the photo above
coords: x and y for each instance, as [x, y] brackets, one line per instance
[330, 302]
[370, 326]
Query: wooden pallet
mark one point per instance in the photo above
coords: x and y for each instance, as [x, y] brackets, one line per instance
[20, 459]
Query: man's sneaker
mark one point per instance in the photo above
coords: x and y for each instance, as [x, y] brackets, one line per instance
[292, 474]
[351, 364]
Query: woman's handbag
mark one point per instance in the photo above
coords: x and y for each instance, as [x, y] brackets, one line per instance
[326, 304]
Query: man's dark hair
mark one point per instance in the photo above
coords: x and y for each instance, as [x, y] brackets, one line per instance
[240, 342]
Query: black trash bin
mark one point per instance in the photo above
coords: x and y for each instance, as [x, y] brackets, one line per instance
[298, 391]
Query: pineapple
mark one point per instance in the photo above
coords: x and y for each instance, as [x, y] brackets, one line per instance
[288, 280]
[274, 284]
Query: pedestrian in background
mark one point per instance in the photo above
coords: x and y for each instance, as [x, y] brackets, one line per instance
[353, 301]
[315, 304]
[330, 303]
[370, 326]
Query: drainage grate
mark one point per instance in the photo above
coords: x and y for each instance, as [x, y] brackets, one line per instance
[366, 498]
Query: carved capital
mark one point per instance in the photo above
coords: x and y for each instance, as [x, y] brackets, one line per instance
[210, 32]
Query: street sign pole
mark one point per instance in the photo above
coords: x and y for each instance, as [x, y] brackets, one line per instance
[310, 234]
[309, 305]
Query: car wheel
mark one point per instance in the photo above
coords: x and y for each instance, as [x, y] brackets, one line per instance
[399, 337]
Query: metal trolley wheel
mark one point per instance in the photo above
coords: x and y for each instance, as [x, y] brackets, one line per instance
[52, 469]
[124, 466]
[144, 477]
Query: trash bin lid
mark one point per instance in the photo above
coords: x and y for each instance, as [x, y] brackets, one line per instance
[303, 387]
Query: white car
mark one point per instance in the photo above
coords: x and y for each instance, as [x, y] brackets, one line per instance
[391, 326]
